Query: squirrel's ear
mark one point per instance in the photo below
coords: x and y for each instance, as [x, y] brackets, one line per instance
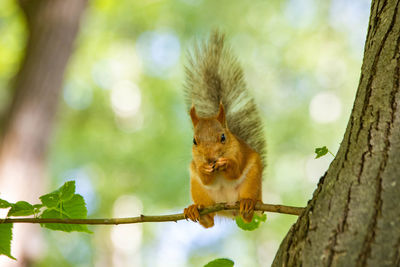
[221, 114]
[193, 116]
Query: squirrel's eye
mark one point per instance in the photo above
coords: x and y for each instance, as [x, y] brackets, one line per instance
[223, 138]
[194, 141]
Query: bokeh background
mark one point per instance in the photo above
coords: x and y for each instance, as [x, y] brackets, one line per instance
[123, 134]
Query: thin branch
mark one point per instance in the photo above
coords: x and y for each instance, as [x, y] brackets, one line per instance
[162, 218]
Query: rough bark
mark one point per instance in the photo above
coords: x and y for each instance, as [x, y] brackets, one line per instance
[52, 26]
[353, 218]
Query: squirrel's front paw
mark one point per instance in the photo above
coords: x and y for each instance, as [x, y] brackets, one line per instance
[192, 212]
[221, 164]
[206, 169]
[246, 209]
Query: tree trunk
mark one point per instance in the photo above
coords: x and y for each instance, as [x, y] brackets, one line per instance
[353, 218]
[52, 25]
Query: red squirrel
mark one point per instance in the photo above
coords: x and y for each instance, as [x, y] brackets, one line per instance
[228, 144]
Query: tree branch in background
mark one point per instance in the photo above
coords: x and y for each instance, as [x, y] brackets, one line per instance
[52, 27]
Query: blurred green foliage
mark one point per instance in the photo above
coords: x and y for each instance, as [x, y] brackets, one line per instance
[122, 128]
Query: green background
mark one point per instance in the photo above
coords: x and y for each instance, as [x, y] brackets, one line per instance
[123, 134]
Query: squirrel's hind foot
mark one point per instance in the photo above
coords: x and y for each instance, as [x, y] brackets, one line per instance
[192, 213]
[246, 209]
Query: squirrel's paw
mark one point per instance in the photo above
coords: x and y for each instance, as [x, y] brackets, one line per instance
[192, 212]
[246, 209]
[207, 220]
[221, 164]
[206, 169]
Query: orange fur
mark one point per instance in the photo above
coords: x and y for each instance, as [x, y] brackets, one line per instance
[222, 170]
[225, 168]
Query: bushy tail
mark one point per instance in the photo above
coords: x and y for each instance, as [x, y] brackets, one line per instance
[213, 74]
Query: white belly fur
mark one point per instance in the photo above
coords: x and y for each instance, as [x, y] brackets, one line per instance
[223, 190]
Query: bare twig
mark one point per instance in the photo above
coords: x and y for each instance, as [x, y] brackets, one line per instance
[162, 218]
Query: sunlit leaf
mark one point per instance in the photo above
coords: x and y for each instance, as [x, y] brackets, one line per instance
[50, 200]
[67, 191]
[64, 193]
[254, 224]
[75, 208]
[21, 208]
[4, 204]
[5, 239]
[321, 151]
[222, 262]
[37, 206]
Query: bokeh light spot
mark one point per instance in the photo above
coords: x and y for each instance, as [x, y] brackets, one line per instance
[77, 95]
[159, 52]
[125, 99]
[325, 107]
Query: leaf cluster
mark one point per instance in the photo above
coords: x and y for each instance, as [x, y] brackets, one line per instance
[62, 203]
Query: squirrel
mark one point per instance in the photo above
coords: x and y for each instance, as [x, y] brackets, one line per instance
[228, 144]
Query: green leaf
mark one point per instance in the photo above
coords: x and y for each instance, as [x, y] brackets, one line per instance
[254, 224]
[5, 239]
[321, 151]
[37, 206]
[36, 209]
[67, 191]
[4, 204]
[50, 200]
[75, 208]
[222, 262]
[64, 193]
[21, 208]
